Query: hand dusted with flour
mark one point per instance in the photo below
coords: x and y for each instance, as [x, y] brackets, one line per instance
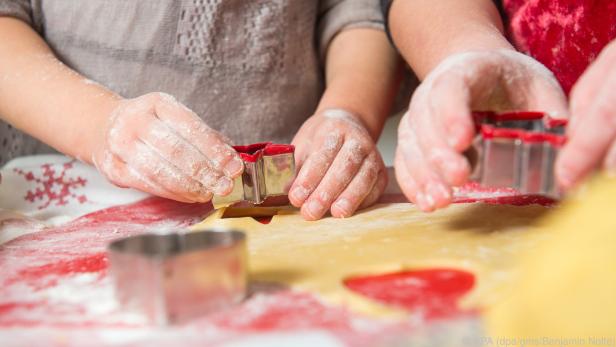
[439, 127]
[340, 168]
[157, 145]
[459, 50]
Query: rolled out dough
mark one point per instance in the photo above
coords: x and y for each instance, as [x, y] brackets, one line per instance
[566, 285]
[317, 256]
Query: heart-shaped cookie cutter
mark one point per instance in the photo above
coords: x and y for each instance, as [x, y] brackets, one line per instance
[174, 277]
[517, 150]
[269, 170]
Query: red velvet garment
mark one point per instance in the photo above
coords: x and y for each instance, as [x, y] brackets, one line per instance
[564, 35]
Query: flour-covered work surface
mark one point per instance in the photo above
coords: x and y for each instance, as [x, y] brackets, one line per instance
[390, 275]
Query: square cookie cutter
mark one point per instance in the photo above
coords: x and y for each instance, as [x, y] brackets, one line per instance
[269, 170]
[517, 150]
[172, 278]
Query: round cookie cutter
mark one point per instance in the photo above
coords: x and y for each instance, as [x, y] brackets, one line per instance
[174, 277]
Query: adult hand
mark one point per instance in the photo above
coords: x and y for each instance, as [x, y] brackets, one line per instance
[340, 168]
[592, 130]
[438, 126]
[157, 145]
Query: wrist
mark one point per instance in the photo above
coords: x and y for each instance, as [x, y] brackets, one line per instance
[427, 32]
[94, 139]
[357, 118]
[365, 110]
[345, 115]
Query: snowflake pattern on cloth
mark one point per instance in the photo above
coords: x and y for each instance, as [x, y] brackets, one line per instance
[54, 188]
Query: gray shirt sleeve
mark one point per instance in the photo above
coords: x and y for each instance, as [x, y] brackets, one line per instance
[14, 143]
[19, 9]
[337, 15]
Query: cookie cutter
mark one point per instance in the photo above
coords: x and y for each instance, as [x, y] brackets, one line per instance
[517, 150]
[172, 278]
[269, 170]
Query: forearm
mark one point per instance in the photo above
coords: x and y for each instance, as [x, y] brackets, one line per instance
[362, 76]
[427, 31]
[43, 97]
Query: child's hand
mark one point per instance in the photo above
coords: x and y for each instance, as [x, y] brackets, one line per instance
[340, 168]
[438, 126]
[155, 144]
[592, 130]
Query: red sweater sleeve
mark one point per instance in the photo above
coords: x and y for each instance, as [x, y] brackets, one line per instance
[564, 35]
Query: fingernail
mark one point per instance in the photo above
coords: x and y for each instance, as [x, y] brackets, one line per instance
[429, 202]
[343, 206]
[438, 192]
[223, 186]
[565, 178]
[445, 193]
[419, 199]
[233, 168]
[424, 202]
[299, 193]
[314, 209]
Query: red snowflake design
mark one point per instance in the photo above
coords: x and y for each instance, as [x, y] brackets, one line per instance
[53, 186]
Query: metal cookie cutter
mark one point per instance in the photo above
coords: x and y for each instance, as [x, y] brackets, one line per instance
[517, 150]
[269, 170]
[171, 278]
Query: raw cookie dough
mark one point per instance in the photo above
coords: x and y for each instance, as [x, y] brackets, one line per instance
[567, 285]
[318, 256]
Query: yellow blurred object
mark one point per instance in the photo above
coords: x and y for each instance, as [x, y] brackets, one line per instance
[566, 293]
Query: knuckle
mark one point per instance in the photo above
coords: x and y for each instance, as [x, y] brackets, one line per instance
[381, 182]
[199, 168]
[364, 143]
[307, 179]
[324, 196]
[153, 97]
[207, 177]
[189, 186]
[371, 173]
[331, 143]
[319, 157]
[221, 155]
[354, 199]
[344, 171]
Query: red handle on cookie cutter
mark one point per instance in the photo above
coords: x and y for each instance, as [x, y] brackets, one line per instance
[252, 153]
[517, 150]
[511, 125]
